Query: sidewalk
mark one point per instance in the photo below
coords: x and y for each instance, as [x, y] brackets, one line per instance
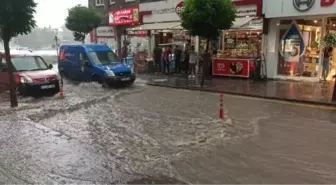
[304, 92]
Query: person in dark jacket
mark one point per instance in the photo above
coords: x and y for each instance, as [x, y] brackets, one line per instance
[166, 54]
[178, 56]
[326, 62]
[157, 55]
[186, 58]
[124, 50]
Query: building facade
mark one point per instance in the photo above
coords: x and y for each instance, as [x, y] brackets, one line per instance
[108, 32]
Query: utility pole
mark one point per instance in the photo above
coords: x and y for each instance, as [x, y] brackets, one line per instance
[56, 40]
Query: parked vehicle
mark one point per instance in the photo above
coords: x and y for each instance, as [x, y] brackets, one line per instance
[32, 75]
[94, 62]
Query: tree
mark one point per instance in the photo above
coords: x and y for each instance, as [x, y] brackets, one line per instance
[82, 20]
[206, 18]
[16, 17]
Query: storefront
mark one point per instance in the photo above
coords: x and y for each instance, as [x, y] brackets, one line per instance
[240, 45]
[162, 22]
[122, 19]
[296, 28]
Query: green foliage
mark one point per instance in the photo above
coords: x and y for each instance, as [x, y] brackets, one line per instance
[329, 40]
[16, 18]
[206, 18]
[82, 20]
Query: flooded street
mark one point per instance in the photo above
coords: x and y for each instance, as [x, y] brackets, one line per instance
[147, 134]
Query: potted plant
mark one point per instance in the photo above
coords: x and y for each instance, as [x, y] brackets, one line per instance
[329, 40]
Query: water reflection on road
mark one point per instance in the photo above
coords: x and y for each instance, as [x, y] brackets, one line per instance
[143, 134]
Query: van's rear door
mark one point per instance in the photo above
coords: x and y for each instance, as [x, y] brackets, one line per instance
[72, 67]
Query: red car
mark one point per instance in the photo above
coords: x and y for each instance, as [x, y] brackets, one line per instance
[32, 75]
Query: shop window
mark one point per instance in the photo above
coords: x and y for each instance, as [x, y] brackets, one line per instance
[240, 44]
[148, 1]
[99, 2]
[299, 53]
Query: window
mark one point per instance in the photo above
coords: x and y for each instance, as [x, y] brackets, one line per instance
[29, 63]
[99, 2]
[103, 57]
[111, 2]
[83, 58]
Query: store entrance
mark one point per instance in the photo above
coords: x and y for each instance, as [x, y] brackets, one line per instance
[307, 64]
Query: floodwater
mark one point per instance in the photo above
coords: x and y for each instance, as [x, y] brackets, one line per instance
[146, 134]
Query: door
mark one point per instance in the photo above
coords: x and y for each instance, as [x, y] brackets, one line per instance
[72, 66]
[86, 66]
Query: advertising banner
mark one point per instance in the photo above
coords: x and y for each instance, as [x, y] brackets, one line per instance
[292, 44]
[124, 16]
[234, 67]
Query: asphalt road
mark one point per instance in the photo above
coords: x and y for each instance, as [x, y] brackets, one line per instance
[149, 134]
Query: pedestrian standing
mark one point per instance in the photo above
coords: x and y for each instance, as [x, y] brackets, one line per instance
[193, 60]
[157, 53]
[186, 59]
[326, 62]
[124, 50]
[178, 56]
[166, 54]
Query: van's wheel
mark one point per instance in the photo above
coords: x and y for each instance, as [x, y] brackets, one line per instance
[99, 80]
[96, 78]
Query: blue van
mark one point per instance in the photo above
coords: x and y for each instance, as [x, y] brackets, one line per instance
[94, 62]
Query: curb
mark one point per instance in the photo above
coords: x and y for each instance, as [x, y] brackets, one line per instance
[331, 105]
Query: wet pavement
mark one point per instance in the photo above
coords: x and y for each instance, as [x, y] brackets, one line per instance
[146, 134]
[307, 92]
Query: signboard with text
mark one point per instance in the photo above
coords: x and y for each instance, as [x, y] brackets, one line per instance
[137, 33]
[124, 16]
[105, 31]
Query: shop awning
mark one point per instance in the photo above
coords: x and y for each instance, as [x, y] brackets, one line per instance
[158, 26]
[240, 21]
[256, 23]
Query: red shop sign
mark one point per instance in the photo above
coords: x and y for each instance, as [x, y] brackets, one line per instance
[124, 16]
[233, 67]
[137, 33]
[327, 2]
[179, 7]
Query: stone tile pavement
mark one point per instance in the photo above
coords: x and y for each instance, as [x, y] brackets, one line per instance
[304, 92]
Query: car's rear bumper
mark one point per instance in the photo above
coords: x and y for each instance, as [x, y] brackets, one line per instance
[120, 80]
[39, 89]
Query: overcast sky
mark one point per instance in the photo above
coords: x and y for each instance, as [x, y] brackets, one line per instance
[54, 12]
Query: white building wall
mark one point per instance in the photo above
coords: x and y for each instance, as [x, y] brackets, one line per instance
[162, 11]
[272, 48]
[285, 8]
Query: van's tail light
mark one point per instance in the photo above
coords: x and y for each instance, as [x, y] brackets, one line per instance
[61, 55]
